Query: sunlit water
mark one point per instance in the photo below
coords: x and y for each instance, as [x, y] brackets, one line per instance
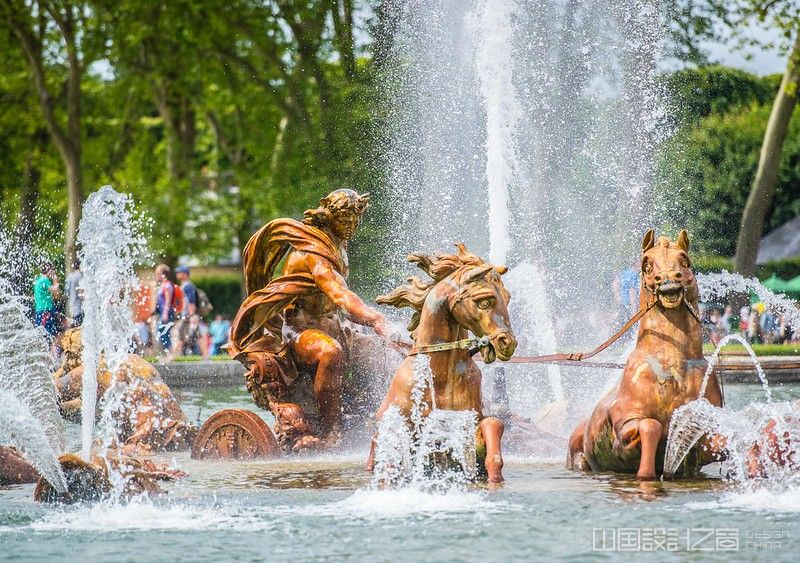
[29, 416]
[325, 508]
[110, 247]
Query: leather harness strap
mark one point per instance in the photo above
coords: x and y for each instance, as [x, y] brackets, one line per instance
[578, 356]
[465, 344]
[473, 343]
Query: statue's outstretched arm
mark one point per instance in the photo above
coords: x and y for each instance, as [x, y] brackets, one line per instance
[334, 286]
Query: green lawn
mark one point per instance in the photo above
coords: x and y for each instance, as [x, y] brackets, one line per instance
[759, 349]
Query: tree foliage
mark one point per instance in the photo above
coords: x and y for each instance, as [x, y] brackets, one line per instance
[214, 115]
[710, 167]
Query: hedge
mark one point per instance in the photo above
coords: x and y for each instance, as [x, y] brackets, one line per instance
[224, 292]
[786, 269]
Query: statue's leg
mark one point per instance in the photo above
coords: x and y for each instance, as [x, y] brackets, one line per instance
[492, 430]
[575, 456]
[646, 433]
[315, 348]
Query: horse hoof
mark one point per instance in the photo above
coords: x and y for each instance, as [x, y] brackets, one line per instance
[645, 477]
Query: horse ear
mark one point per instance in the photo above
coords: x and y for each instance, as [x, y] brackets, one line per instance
[476, 273]
[683, 240]
[501, 269]
[649, 240]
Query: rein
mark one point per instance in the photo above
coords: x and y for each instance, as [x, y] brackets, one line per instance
[475, 343]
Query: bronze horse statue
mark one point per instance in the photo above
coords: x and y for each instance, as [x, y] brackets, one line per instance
[464, 294]
[627, 431]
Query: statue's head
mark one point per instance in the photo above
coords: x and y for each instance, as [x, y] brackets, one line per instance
[666, 269]
[340, 211]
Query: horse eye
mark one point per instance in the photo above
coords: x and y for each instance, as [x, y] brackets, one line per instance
[648, 267]
[484, 303]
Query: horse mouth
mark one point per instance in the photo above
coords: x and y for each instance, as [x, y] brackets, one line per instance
[500, 348]
[488, 353]
[670, 294]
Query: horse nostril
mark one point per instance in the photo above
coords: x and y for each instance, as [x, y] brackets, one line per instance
[505, 341]
[658, 278]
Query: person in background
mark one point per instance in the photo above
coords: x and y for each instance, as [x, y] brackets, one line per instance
[744, 319]
[142, 312]
[203, 338]
[753, 324]
[626, 289]
[165, 312]
[45, 292]
[72, 287]
[220, 329]
[187, 322]
[726, 321]
[769, 325]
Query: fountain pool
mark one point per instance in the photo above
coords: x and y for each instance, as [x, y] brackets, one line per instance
[325, 508]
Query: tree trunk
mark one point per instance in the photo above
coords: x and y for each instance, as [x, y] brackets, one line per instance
[762, 191]
[72, 163]
[25, 230]
[67, 138]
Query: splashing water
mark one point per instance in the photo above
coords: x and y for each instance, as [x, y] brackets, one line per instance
[712, 362]
[719, 286]
[110, 246]
[563, 181]
[689, 423]
[751, 457]
[494, 25]
[29, 415]
[433, 452]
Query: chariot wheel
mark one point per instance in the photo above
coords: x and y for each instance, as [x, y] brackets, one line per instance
[235, 434]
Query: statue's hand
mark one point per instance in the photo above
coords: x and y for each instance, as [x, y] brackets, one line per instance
[380, 326]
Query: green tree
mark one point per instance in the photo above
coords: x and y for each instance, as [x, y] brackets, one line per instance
[711, 164]
[697, 20]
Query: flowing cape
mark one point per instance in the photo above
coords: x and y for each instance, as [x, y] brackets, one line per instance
[258, 323]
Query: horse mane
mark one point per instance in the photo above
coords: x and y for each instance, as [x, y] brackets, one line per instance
[438, 266]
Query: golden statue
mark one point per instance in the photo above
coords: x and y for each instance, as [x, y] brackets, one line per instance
[295, 318]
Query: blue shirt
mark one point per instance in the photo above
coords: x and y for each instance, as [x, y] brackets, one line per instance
[189, 295]
[628, 280]
[219, 331]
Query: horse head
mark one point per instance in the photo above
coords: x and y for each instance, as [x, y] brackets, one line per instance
[480, 304]
[666, 270]
[473, 292]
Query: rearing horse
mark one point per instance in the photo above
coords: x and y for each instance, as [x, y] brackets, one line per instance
[627, 431]
[465, 294]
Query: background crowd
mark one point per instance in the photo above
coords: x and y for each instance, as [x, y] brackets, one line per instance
[173, 317]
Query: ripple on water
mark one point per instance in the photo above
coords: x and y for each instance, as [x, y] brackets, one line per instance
[143, 514]
[400, 503]
[755, 499]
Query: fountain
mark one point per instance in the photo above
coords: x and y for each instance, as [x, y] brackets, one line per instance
[29, 415]
[534, 123]
[436, 451]
[547, 176]
[110, 247]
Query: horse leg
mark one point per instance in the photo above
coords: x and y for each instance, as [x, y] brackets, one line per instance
[492, 430]
[575, 456]
[373, 443]
[648, 433]
[314, 347]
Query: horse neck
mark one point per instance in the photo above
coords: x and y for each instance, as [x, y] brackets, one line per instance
[670, 331]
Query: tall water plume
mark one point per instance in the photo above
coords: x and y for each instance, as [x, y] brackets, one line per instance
[528, 130]
[29, 415]
[110, 246]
